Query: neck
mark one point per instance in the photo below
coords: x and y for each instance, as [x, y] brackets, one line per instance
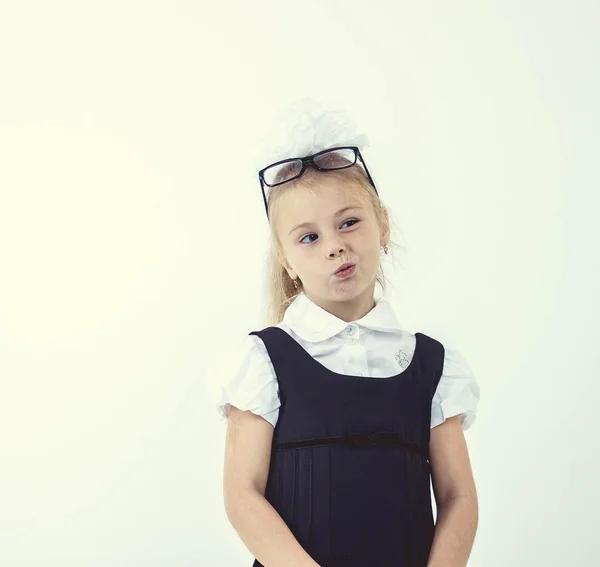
[348, 309]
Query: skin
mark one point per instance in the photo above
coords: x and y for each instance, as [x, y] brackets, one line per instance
[313, 253]
[455, 496]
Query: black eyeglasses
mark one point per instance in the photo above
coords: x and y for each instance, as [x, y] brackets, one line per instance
[292, 168]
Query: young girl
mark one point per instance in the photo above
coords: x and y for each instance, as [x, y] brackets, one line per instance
[337, 417]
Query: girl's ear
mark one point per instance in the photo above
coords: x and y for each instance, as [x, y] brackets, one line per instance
[281, 258]
[385, 235]
[283, 261]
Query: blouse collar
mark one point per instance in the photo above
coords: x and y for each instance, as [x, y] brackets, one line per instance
[312, 323]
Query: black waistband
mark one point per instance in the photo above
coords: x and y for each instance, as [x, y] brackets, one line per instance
[358, 440]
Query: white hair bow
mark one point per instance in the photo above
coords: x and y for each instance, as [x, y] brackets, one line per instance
[307, 127]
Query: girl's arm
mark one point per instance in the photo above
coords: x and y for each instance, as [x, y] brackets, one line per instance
[455, 496]
[260, 527]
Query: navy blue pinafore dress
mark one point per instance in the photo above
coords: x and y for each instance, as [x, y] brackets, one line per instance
[349, 471]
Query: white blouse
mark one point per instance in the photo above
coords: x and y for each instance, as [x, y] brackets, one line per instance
[242, 374]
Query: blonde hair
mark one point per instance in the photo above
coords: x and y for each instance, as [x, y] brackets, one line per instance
[281, 291]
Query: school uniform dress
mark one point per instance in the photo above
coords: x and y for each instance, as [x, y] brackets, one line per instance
[352, 406]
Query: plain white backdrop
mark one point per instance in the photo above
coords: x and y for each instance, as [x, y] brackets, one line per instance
[133, 238]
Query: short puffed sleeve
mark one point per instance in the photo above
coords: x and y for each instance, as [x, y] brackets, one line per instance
[457, 392]
[242, 375]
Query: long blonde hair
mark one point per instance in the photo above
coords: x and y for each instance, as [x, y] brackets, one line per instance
[280, 287]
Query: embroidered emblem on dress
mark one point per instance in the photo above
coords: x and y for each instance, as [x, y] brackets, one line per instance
[402, 359]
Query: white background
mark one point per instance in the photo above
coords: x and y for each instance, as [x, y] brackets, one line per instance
[133, 236]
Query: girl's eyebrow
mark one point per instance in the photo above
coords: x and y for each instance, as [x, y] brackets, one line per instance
[307, 224]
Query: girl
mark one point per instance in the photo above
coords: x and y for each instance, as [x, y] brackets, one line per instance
[337, 417]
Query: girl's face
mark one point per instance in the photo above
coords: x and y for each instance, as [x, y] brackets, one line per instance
[318, 236]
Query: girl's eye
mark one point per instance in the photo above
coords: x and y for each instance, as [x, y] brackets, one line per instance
[353, 221]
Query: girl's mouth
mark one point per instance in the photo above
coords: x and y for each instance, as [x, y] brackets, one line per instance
[345, 273]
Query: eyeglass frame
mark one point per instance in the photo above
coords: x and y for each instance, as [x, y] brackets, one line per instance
[310, 160]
